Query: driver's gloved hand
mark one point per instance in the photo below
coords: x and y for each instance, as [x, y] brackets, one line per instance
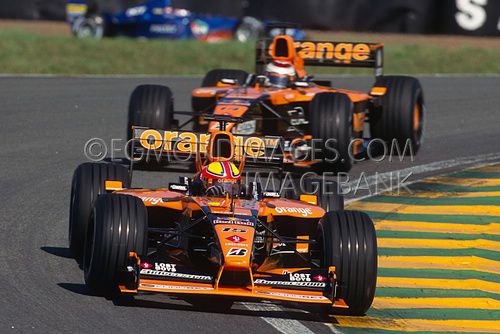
[215, 191]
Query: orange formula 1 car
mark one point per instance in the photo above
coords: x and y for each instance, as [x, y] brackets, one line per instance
[323, 127]
[214, 237]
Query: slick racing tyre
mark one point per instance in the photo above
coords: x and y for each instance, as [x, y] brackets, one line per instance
[206, 105]
[328, 194]
[347, 240]
[86, 186]
[330, 121]
[150, 106]
[118, 226]
[249, 29]
[214, 76]
[401, 116]
[89, 27]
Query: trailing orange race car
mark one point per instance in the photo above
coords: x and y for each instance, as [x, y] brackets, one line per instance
[212, 235]
[323, 127]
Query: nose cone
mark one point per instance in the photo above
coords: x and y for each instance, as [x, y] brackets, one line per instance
[235, 236]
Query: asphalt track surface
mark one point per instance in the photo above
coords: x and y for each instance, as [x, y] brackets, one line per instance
[44, 124]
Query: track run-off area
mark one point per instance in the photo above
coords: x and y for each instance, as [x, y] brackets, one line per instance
[439, 264]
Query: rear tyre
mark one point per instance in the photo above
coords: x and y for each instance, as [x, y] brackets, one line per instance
[330, 120]
[207, 104]
[150, 106]
[349, 243]
[329, 197]
[290, 194]
[87, 184]
[119, 225]
[401, 116]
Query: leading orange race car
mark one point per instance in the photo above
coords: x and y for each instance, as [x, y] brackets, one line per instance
[214, 236]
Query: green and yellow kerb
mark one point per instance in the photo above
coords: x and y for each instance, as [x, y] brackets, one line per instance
[439, 257]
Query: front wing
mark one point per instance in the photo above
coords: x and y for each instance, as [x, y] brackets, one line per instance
[304, 285]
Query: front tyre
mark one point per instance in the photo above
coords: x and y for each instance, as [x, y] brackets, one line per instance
[328, 194]
[118, 226]
[347, 240]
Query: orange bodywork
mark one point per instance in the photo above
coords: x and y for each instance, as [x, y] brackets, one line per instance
[246, 240]
[295, 53]
[238, 292]
[269, 208]
[277, 97]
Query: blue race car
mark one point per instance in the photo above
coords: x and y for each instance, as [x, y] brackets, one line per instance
[159, 19]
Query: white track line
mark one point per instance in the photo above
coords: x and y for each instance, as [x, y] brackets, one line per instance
[483, 159]
[285, 326]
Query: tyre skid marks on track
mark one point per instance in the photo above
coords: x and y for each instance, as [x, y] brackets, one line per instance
[470, 303]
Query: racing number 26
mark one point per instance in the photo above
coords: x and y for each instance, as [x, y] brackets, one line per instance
[237, 252]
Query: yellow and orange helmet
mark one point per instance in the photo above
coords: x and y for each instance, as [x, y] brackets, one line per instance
[221, 178]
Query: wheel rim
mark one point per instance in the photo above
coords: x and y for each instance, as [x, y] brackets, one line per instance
[416, 118]
[86, 32]
[418, 122]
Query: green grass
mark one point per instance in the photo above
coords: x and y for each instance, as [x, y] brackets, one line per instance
[22, 52]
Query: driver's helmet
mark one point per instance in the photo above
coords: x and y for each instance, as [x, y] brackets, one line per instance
[221, 178]
[280, 73]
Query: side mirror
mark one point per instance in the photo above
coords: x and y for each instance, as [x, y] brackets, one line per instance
[255, 190]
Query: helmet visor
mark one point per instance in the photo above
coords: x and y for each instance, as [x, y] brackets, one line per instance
[279, 80]
[231, 188]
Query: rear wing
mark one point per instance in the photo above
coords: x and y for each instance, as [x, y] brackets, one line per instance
[332, 54]
[168, 146]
